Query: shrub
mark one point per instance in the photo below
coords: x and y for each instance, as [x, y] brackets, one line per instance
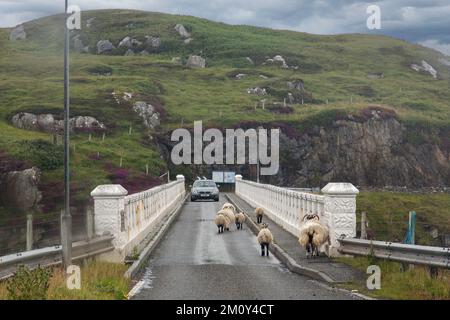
[100, 69]
[42, 154]
[29, 284]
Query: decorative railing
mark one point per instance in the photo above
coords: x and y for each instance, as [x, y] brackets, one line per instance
[336, 206]
[130, 218]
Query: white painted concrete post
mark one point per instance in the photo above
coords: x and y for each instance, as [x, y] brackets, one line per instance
[180, 177]
[237, 179]
[108, 205]
[340, 212]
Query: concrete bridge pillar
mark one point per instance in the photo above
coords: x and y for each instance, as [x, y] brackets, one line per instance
[340, 212]
[108, 207]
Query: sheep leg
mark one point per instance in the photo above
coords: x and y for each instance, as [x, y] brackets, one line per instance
[267, 249]
[262, 249]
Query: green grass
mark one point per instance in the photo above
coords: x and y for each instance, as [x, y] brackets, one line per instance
[388, 212]
[332, 67]
[413, 284]
[99, 281]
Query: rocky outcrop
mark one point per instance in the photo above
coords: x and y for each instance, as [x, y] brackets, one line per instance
[426, 68]
[257, 91]
[148, 114]
[196, 62]
[177, 60]
[375, 75]
[277, 60]
[182, 31]
[373, 152]
[104, 46]
[48, 123]
[18, 33]
[20, 189]
[154, 42]
[296, 85]
[129, 42]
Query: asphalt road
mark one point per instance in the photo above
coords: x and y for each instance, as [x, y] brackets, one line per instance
[194, 262]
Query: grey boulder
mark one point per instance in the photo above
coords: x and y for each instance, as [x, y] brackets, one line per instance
[20, 189]
[182, 31]
[104, 46]
[196, 62]
[148, 114]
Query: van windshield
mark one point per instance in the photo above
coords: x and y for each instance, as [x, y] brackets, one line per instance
[202, 184]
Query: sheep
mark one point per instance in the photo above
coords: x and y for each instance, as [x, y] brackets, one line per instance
[220, 222]
[229, 216]
[265, 238]
[229, 206]
[240, 219]
[259, 214]
[312, 234]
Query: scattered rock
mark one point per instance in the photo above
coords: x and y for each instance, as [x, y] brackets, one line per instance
[18, 33]
[85, 122]
[257, 90]
[154, 42]
[375, 75]
[144, 53]
[263, 76]
[196, 62]
[48, 123]
[104, 46]
[277, 60]
[296, 85]
[240, 76]
[249, 60]
[188, 40]
[425, 67]
[24, 120]
[126, 42]
[177, 60]
[148, 114]
[20, 189]
[182, 31]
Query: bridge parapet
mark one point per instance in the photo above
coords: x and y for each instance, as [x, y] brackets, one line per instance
[336, 207]
[130, 218]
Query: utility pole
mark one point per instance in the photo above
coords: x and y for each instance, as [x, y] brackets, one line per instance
[66, 218]
[257, 156]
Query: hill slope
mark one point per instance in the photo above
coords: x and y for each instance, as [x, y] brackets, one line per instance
[333, 71]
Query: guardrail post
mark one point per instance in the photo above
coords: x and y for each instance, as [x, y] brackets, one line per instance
[340, 212]
[29, 232]
[108, 203]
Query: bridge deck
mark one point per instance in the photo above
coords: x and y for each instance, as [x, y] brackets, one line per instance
[194, 262]
[335, 270]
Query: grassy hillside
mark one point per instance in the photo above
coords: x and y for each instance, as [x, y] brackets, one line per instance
[333, 68]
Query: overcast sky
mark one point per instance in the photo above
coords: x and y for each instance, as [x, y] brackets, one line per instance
[422, 21]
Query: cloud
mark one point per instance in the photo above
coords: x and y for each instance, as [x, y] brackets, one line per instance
[421, 21]
[435, 44]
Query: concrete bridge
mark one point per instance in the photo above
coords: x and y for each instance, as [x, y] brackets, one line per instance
[176, 252]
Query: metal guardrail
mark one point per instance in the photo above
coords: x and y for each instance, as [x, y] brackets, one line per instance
[399, 252]
[53, 255]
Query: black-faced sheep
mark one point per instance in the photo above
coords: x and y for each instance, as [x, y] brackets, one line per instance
[259, 214]
[220, 222]
[265, 238]
[312, 234]
[240, 219]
